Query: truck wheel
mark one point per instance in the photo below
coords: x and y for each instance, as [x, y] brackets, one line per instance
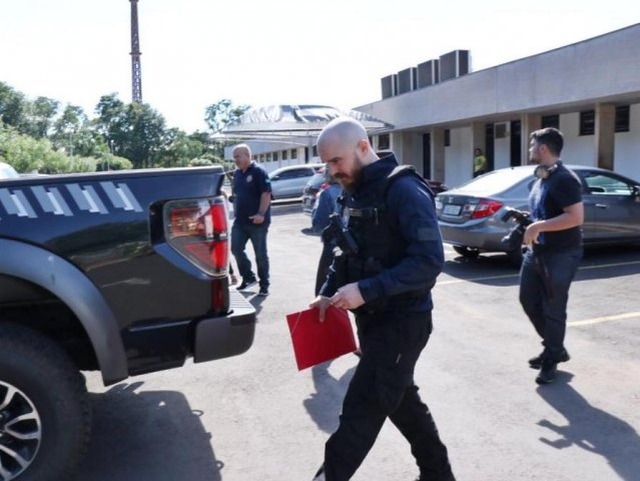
[45, 417]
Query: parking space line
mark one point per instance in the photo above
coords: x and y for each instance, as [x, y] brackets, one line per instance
[517, 274]
[617, 264]
[598, 320]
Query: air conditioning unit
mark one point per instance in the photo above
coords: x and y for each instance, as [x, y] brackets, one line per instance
[501, 130]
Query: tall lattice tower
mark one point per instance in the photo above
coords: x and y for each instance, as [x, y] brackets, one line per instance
[136, 74]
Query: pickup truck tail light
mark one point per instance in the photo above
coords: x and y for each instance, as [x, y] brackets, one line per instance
[198, 229]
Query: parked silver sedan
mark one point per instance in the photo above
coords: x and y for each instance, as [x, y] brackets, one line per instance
[7, 172]
[470, 216]
[290, 181]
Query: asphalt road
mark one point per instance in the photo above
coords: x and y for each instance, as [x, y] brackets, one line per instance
[255, 417]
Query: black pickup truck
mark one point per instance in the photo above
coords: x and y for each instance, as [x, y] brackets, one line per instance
[121, 272]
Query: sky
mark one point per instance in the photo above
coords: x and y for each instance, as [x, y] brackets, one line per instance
[258, 53]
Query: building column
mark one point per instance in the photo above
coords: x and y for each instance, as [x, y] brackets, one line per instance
[529, 123]
[437, 154]
[605, 135]
[478, 141]
[397, 145]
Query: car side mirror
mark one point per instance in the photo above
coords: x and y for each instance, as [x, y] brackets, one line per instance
[635, 193]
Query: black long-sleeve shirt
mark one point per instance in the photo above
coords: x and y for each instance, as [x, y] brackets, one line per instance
[410, 204]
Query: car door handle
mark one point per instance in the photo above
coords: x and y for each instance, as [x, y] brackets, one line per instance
[602, 206]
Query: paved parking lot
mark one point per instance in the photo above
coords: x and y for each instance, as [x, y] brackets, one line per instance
[255, 417]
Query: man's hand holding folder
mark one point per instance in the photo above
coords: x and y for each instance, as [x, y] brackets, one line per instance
[317, 340]
[347, 297]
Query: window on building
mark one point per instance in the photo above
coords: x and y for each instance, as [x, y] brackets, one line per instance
[550, 121]
[384, 142]
[588, 122]
[294, 153]
[501, 131]
[447, 137]
[269, 157]
[315, 151]
[285, 154]
[622, 118]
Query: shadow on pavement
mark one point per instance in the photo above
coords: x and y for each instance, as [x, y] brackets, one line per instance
[495, 270]
[591, 429]
[256, 301]
[147, 435]
[324, 405]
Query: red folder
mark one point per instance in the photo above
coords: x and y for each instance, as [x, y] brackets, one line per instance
[315, 342]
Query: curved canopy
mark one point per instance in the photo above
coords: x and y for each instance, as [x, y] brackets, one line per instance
[292, 123]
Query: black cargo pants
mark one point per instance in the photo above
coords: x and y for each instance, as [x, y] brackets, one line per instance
[382, 386]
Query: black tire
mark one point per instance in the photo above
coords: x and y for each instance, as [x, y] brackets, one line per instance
[37, 378]
[467, 252]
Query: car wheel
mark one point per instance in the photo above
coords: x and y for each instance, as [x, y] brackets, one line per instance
[45, 416]
[467, 252]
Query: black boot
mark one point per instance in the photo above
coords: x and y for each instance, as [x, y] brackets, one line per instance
[547, 372]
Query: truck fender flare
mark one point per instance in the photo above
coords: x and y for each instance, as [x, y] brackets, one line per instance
[74, 288]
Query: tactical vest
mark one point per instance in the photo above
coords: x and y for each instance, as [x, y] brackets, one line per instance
[377, 234]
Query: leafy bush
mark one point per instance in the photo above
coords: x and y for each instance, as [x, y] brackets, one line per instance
[113, 162]
[200, 162]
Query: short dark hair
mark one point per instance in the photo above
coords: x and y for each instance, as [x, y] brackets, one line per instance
[550, 137]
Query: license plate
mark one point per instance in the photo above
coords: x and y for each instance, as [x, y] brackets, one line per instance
[452, 209]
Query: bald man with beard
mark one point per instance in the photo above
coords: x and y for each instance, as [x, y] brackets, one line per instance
[389, 211]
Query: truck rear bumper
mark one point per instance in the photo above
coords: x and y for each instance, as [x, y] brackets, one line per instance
[226, 336]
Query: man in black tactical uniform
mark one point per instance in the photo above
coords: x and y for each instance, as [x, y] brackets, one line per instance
[555, 249]
[385, 276]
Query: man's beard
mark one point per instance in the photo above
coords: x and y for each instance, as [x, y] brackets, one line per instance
[350, 182]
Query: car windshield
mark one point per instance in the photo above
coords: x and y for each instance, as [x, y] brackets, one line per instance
[495, 182]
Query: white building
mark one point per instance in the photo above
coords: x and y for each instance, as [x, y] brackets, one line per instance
[273, 155]
[589, 90]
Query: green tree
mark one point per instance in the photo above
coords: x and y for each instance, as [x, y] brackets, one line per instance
[12, 106]
[27, 154]
[112, 162]
[39, 117]
[73, 133]
[134, 131]
[221, 113]
[110, 122]
[180, 148]
[200, 162]
[145, 137]
[218, 116]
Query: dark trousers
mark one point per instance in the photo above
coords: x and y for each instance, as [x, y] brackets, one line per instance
[544, 291]
[382, 387]
[257, 234]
